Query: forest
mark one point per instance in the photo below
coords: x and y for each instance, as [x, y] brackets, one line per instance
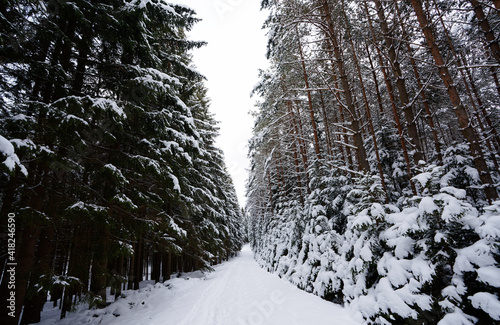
[374, 171]
[374, 163]
[109, 171]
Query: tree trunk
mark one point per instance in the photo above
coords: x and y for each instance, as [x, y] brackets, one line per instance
[375, 80]
[118, 275]
[25, 254]
[463, 119]
[156, 265]
[295, 150]
[400, 84]
[166, 265]
[491, 132]
[488, 32]
[100, 265]
[365, 99]
[138, 264]
[36, 300]
[390, 90]
[421, 89]
[326, 126]
[309, 101]
[497, 4]
[461, 61]
[28, 234]
[346, 154]
[358, 139]
[300, 135]
[131, 270]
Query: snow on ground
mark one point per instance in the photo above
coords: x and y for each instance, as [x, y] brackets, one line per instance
[239, 292]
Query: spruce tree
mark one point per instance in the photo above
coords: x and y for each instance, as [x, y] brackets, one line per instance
[111, 126]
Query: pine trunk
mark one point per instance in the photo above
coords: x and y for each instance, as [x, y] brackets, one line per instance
[421, 89]
[463, 119]
[390, 90]
[488, 32]
[365, 99]
[326, 126]
[400, 84]
[303, 152]
[295, 150]
[358, 138]
[473, 96]
[310, 104]
[375, 80]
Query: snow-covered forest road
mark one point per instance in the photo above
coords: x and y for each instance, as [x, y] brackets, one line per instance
[239, 292]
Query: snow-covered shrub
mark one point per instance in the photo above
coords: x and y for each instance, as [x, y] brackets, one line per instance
[327, 222]
[473, 292]
[364, 251]
[435, 260]
[391, 158]
[460, 173]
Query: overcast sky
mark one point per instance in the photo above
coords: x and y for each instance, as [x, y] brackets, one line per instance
[235, 51]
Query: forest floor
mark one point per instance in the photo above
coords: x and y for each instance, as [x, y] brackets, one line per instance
[238, 292]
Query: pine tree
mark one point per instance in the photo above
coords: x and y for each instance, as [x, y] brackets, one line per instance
[398, 250]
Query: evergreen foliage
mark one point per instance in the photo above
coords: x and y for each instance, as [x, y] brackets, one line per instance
[107, 144]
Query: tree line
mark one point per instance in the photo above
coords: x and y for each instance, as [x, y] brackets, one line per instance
[117, 177]
[363, 101]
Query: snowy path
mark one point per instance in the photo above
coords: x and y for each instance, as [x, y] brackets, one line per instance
[239, 292]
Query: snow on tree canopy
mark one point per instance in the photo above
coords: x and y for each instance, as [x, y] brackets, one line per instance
[112, 123]
[141, 4]
[11, 159]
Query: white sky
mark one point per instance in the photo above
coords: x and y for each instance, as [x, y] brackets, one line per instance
[235, 51]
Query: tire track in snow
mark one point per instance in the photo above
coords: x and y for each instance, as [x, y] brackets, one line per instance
[241, 293]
